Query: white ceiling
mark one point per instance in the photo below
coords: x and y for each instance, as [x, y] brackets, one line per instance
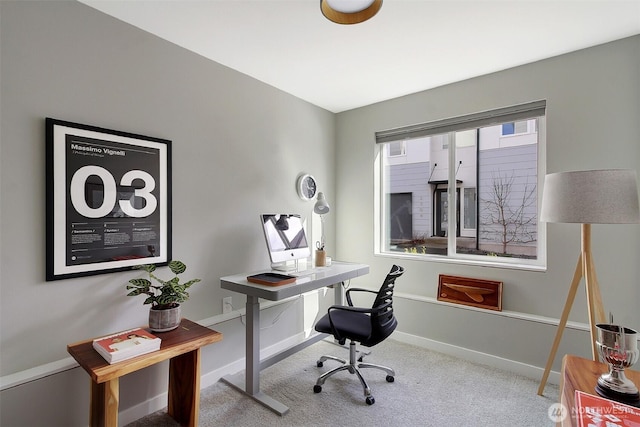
[409, 46]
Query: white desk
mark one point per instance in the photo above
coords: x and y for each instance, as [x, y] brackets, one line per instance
[335, 274]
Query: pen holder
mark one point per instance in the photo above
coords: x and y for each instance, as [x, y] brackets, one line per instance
[321, 258]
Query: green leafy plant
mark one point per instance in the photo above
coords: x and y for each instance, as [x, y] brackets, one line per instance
[167, 293]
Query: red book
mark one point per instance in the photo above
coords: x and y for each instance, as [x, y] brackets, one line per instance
[126, 344]
[594, 410]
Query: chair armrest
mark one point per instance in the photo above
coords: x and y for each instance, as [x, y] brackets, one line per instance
[348, 293]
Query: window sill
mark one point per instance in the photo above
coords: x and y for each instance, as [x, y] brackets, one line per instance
[508, 263]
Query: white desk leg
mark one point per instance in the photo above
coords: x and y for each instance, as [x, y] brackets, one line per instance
[338, 293]
[253, 346]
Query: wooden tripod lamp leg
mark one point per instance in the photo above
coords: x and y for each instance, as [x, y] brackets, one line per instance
[594, 299]
[586, 269]
[577, 275]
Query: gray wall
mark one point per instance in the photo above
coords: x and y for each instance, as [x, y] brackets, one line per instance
[593, 105]
[238, 146]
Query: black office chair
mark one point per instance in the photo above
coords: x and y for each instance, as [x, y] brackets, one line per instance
[368, 326]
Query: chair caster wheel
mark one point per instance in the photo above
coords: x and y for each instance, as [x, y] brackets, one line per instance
[390, 379]
[317, 388]
[370, 400]
[319, 364]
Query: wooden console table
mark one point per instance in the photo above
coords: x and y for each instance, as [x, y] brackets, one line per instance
[181, 345]
[582, 374]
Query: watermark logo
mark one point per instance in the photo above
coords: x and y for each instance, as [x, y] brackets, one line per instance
[557, 412]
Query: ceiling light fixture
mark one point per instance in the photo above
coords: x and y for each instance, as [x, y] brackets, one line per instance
[349, 11]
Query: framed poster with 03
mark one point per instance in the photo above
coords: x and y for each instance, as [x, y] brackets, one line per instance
[108, 198]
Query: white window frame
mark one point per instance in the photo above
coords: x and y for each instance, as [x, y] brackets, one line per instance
[538, 264]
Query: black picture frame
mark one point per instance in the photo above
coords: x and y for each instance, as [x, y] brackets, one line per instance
[108, 200]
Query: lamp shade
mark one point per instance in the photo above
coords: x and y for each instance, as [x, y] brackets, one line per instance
[321, 207]
[608, 196]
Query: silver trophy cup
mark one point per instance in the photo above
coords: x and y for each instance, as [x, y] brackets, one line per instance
[617, 346]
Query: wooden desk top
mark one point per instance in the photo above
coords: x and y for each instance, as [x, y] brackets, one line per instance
[582, 374]
[187, 337]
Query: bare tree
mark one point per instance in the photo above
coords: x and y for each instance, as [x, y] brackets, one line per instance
[507, 216]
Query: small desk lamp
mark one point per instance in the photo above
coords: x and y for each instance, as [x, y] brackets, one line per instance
[321, 208]
[587, 197]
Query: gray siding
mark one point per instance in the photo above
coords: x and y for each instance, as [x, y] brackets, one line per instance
[517, 165]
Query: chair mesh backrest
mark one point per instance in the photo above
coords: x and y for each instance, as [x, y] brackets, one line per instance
[383, 322]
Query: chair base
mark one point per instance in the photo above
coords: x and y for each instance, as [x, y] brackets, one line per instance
[353, 366]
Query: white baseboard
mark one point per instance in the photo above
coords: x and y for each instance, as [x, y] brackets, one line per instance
[473, 356]
[142, 409]
[52, 368]
[207, 379]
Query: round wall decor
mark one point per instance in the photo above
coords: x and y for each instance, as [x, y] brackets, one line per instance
[306, 186]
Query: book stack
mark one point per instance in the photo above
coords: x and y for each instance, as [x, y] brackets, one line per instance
[126, 344]
[592, 410]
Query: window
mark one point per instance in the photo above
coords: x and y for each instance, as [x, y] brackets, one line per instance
[463, 192]
[513, 128]
[396, 148]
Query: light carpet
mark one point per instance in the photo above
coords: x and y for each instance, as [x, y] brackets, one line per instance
[430, 389]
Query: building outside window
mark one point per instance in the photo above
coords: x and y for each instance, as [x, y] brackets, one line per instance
[469, 193]
[396, 148]
[513, 128]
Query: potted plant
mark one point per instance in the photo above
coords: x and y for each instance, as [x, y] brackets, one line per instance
[165, 296]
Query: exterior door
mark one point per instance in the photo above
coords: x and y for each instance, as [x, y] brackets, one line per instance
[400, 217]
[442, 214]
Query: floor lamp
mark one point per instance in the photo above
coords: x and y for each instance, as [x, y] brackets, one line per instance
[587, 197]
